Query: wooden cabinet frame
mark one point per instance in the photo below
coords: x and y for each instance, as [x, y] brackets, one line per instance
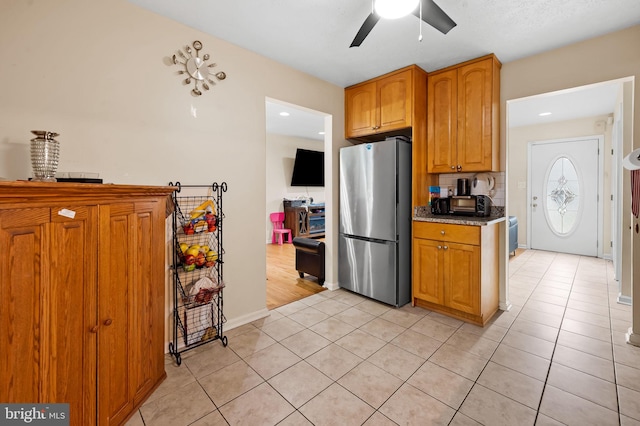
[82, 293]
[463, 107]
[455, 270]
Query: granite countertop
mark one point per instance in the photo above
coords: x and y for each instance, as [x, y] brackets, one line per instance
[422, 214]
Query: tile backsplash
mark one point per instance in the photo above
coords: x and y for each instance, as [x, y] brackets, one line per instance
[497, 194]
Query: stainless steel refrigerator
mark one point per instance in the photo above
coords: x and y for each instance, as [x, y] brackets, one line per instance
[375, 220]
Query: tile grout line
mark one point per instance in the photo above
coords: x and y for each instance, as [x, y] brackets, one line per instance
[555, 344]
[457, 328]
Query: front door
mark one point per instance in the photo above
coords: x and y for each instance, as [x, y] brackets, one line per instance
[563, 208]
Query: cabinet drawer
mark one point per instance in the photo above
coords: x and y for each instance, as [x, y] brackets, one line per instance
[465, 234]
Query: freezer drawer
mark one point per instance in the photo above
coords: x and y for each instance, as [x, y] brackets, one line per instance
[369, 268]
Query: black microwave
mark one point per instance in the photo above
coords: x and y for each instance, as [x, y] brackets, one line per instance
[470, 205]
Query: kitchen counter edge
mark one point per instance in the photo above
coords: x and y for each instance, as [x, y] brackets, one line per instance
[460, 220]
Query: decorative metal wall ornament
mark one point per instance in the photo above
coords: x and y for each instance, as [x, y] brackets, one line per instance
[196, 68]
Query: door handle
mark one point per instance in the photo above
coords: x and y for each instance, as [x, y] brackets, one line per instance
[534, 205]
[94, 329]
[108, 322]
[535, 197]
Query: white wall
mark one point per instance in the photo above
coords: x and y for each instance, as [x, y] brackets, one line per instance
[100, 74]
[281, 152]
[519, 138]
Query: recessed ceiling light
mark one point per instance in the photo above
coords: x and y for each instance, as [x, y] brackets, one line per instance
[321, 133]
[285, 114]
[544, 114]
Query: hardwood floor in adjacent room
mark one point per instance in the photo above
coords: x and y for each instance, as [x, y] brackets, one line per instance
[284, 285]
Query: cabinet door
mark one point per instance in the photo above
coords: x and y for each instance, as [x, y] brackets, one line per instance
[360, 110]
[116, 269]
[394, 102]
[130, 311]
[428, 270]
[48, 288]
[475, 116]
[442, 116]
[462, 277]
[147, 298]
[70, 373]
[24, 263]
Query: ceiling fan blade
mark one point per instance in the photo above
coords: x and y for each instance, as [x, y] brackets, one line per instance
[434, 16]
[365, 29]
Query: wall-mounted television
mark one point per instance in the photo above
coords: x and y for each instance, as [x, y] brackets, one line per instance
[308, 168]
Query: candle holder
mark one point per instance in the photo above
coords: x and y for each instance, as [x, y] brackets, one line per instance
[44, 155]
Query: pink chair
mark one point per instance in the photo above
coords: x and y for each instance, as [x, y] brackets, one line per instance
[279, 231]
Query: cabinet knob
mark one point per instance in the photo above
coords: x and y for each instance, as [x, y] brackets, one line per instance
[453, 167]
[439, 247]
[108, 321]
[459, 167]
[445, 247]
[94, 329]
[442, 232]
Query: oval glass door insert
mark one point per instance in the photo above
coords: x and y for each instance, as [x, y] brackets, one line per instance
[563, 192]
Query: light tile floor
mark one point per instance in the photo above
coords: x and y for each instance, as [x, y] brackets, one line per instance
[335, 358]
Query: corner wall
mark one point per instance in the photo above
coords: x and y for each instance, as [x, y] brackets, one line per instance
[101, 75]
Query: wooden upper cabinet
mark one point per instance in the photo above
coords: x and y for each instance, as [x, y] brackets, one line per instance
[475, 126]
[442, 123]
[394, 101]
[381, 105]
[361, 110]
[464, 117]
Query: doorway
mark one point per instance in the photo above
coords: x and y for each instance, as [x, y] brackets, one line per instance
[565, 178]
[288, 128]
[578, 111]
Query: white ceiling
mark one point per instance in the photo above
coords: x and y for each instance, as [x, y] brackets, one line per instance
[586, 101]
[300, 122]
[314, 36]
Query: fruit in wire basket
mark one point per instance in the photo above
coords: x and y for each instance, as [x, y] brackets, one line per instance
[210, 218]
[189, 268]
[212, 256]
[193, 251]
[189, 259]
[184, 247]
[209, 263]
[188, 229]
[200, 260]
[204, 249]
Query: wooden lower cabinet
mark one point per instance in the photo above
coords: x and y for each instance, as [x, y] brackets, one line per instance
[82, 296]
[455, 270]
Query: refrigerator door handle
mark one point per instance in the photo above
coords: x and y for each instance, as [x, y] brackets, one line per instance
[371, 240]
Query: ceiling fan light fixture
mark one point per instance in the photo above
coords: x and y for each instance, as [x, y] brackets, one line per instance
[393, 9]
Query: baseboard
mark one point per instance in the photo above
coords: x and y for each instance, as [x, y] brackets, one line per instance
[331, 286]
[505, 306]
[230, 325]
[624, 300]
[632, 338]
[246, 319]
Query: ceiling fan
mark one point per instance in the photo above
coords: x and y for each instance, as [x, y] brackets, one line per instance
[425, 10]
